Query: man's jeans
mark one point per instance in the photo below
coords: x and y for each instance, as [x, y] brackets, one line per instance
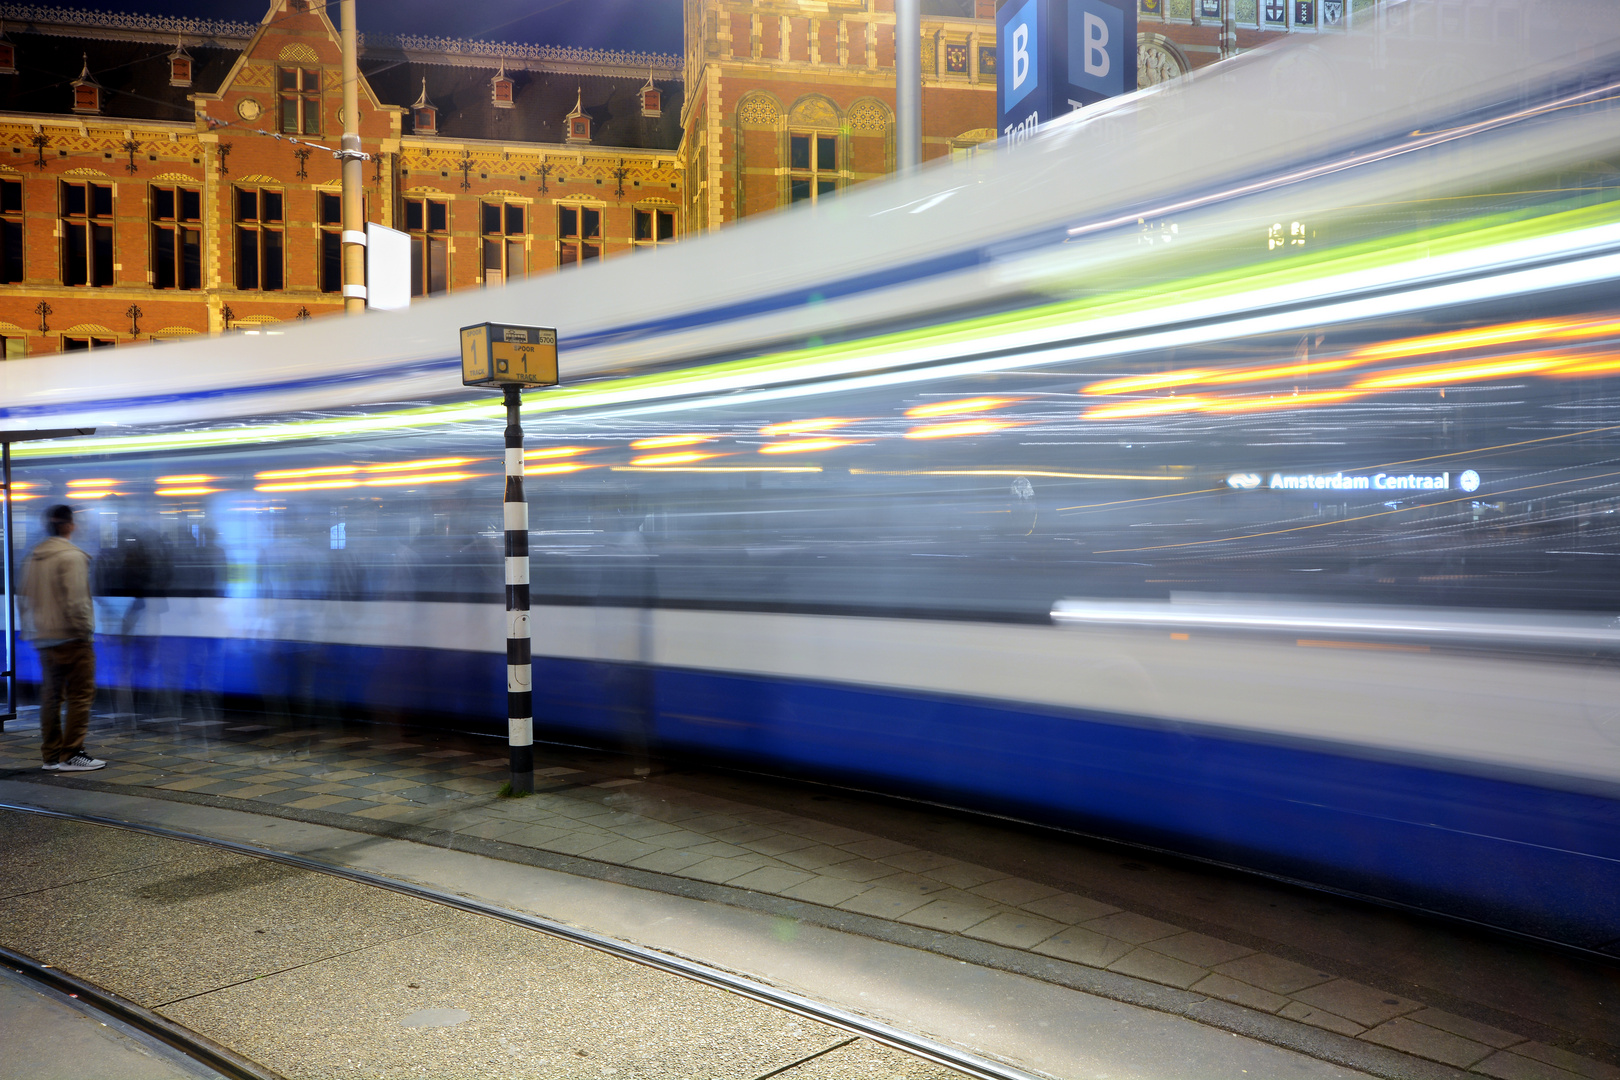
[69, 676]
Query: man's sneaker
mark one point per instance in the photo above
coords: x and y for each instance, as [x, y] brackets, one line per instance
[51, 766]
[80, 762]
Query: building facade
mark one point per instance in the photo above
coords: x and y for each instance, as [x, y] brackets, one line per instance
[161, 178]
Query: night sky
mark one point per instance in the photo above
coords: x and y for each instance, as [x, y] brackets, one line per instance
[638, 25]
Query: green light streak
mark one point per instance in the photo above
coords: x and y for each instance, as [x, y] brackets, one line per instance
[877, 353]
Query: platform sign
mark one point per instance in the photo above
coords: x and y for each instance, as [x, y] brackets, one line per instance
[496, 355]
[1055, 56]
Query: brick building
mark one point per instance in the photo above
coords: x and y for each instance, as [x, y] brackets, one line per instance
[167, 177]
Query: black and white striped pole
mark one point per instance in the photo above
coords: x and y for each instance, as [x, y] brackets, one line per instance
[514, 358]
[519, 665]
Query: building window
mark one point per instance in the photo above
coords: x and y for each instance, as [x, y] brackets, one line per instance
[428, 222]
[15, 348]
[652, 226]
[176, 238]
[577, 124]
[86, 91]
[87, 234]
[424, 114]
[813, 166]
[8, 55]
[579, 234]
[82, 344]
[11, 231]
[330, 207]
[652, 100]
[505, 242]
[260, 241]
[501, 89]
[300, 101]
[180, 67]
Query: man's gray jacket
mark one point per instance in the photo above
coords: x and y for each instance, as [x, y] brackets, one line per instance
[56, 592]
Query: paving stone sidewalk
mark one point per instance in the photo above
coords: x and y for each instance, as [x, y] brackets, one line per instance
[444, 782]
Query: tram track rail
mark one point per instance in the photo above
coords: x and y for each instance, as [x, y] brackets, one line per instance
[197, 1047]
[237, 1067]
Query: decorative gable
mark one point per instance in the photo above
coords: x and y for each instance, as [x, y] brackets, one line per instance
[86, 91]
[501, 88]
[8, 54]
[652, 99]
[576, 123]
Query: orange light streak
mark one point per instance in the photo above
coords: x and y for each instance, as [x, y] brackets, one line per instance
[1304, 368]
[307, 485]
[294, 474]
[799, 427]
[721, 469]
[671, 459]
[424, 478]
[1131, 384]
[1307, 400]
[1464, 371]
[961, 405]
[179, 491]
[958, 430]
[421, 466]
[1125, 410]
[196, 479]
[1295, 369]
[1602, 364]
[804, 446]
[557, 451]
[1491, 335]
[90, 494]
[102, 483]
[554, 470]
[660, 441]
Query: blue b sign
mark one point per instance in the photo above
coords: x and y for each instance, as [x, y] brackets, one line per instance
[1058, 55]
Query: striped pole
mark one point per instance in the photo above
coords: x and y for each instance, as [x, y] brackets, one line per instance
[519, 669]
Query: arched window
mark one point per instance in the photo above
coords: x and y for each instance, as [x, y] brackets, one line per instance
[816, 159]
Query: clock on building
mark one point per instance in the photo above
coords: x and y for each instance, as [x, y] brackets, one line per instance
[1156, 64]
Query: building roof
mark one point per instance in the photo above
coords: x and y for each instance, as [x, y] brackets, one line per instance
[134, 75]
[128, 56]
[540, 102]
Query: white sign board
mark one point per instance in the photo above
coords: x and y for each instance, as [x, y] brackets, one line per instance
[388, 268]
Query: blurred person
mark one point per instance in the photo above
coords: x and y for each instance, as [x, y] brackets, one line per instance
[61, 623]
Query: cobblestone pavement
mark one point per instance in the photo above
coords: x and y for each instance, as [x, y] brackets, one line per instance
[450, 782]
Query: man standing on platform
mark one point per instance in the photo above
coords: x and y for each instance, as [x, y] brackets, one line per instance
[56, 603]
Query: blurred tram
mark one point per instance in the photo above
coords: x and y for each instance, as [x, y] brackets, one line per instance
[1265, 509]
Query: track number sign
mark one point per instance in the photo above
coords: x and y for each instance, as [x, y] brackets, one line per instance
[495, 355]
